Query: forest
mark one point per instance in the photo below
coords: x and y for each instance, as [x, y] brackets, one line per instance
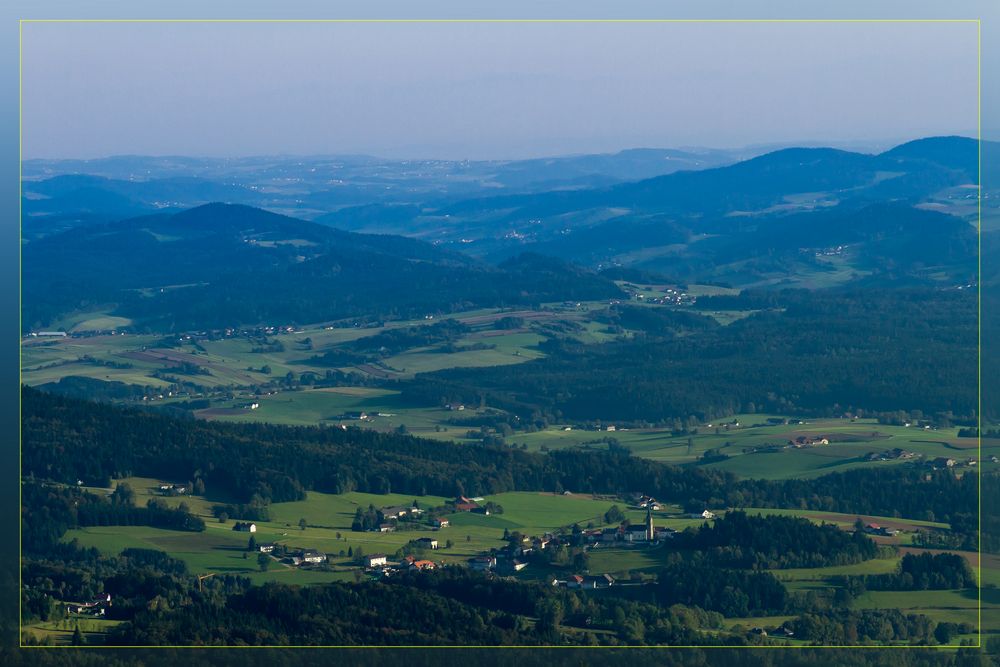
[818, 353]
[768, 542]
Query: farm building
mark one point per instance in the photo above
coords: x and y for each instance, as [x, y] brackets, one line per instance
[312, 556]
[395, 512]
[375, 560]
[422, 565]
[463, 504]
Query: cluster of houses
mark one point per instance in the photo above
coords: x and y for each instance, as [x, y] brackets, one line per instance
[808, 441]
[294, 557]
[96, 607]
[882, 531]
[891, 455]
[944, 462]
[173, 489]
[381, 564]
[305, 557]
[645, 502]
[585, 582]
[463, 504]
[400, 511]
[511, 559]
[671, 297]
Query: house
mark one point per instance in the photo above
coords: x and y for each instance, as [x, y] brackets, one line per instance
[454, 406]
[266, 548]
[422, 565]
[610, 534]
[704, 514]
[245, 527]
[611, 429]
[483, 563]
[312, 556]
[386, 528]
[426, 543]
[463, 504]
[395, 512]
[943, 462]
[375, 560]
[441, 523]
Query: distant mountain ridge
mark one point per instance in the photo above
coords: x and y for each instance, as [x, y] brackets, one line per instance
[812, 217]
[224, 265]
[62, 193]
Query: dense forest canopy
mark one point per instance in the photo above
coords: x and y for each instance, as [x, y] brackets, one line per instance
[818, 352]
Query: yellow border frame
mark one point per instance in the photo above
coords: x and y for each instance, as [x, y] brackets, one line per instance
[979, 298]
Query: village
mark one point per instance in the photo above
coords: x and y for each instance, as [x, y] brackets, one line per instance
[520, 552]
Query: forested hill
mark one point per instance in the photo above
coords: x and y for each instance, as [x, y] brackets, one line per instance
[821, 352]
[912, 171]
[225, 265]
[65, 440]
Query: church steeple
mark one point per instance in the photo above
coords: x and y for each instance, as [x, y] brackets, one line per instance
[649, 525]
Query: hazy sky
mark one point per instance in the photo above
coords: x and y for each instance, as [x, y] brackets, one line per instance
[465, 90]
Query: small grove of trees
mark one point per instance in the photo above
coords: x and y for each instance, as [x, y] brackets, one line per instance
[614, 515]
[742, 540]
[917, 572]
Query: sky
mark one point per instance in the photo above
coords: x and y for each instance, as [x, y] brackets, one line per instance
[487, 90]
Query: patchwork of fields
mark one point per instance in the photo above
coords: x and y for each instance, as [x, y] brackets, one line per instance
[220, 549]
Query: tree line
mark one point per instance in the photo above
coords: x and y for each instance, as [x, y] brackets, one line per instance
[66, 440]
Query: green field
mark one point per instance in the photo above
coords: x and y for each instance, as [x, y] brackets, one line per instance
[228, 360]
[220, 550]
[860, 438]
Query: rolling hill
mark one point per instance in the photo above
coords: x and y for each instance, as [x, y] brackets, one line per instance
[225, 265]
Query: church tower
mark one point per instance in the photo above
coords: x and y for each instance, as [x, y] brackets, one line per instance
[649, 525]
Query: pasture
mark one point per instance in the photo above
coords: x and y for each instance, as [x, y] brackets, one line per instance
[756, 451]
